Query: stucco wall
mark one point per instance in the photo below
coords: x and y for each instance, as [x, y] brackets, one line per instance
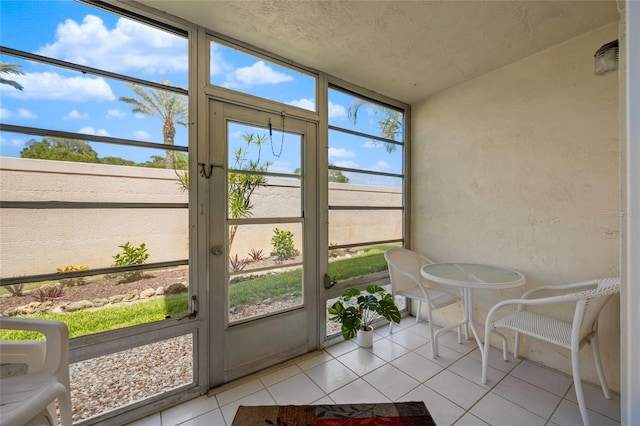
[519, 168]
[37, 241]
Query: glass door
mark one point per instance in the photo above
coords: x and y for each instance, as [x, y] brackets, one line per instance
[263, 295]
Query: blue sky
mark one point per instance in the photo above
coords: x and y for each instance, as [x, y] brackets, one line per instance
[61, 99]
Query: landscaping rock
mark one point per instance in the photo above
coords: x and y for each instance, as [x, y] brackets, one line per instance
[176, 288]
[116, 298]
[160, 291]
[100, 302]
[147, 293]
[132, 295]
[77, 306]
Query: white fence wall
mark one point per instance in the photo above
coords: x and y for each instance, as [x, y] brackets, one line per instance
[37, 241]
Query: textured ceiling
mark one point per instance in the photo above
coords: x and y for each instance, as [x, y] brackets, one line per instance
[408, 50]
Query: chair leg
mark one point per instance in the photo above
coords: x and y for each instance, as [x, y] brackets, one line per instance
[596, 358]
[64, 404]
[577, 384]
[434, 341]
[418, 311]
[516, 346]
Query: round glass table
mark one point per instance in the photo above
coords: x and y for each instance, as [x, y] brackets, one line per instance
[470, 276]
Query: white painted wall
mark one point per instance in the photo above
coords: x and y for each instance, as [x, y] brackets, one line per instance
[520, 168]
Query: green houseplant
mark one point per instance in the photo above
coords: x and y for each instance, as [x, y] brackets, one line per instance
[356, 311]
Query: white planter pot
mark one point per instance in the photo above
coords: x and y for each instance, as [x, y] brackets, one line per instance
[365, 338]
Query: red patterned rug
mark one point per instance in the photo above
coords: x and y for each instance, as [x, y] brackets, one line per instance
[388, 414]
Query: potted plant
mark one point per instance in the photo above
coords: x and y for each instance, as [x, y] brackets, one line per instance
[356, 311]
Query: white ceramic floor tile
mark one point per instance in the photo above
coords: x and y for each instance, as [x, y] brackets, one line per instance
[443, 411]
[450, 340]
[342, 348]
[331, 375]
[188, 410]
[261, 397]
[456, 388]
[388, 350]
[296, 390]
[545, 378]
[323, 400]
[495, 359]
[498, 411]
[470, 420]
[595, 400]
[568, 414]
[238, 392]
[280, 375]
[533, 398]
[407, 339]
[361, 361]
[212, 418]
[445, 356]
[356, 392]
[153, 420]
[422, 329]
[416, 366]
[471, 370]
[392, 382]
[313, 361]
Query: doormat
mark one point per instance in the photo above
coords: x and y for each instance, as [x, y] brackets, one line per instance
[389, 414]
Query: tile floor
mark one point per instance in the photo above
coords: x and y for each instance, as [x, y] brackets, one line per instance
[399, 367]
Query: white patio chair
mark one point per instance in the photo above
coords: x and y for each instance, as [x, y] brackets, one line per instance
[29, 397]
[404, 272]
[583, 329]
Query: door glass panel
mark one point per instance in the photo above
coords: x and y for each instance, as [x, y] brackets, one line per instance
[264, 182]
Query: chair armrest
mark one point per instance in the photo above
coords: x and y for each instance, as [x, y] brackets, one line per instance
[562, 287]
[56, 334]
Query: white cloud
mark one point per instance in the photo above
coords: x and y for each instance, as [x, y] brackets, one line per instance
[305, 104]
[382, 166]
[53, 86]
[75, 115]
[92, 43]
[217, 64]
[256, 74]
[91, 131]
[337, 111]
[340, 153]
[141, 134]
[21, 113]
[347, 164]
[371, 144]
[115, 113]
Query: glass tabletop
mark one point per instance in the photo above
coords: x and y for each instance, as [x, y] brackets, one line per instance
[472, 275]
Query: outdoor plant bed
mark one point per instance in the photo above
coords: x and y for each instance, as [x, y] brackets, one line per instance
[102, 288]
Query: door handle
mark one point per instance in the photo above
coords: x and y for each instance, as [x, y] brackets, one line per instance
[217, 250]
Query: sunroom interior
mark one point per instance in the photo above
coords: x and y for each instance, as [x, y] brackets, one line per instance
[514, 153]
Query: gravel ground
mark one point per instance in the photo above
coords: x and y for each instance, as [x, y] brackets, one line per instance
[111, 381]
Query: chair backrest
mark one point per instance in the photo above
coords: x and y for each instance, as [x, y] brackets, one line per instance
[591, 303]
[404, 268]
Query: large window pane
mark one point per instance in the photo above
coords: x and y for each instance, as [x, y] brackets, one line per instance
[357, 152]
[236, 70]
[360, 226]
[341, 194]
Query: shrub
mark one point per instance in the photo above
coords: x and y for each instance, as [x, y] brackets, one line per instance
[256, 254]
[283, 244]
[15, 289]
[49, 292]
[131, 255]
[72, 282]
[236, 264]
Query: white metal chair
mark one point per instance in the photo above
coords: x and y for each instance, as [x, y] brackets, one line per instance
[589, 301]
[404, 272]
[29, 398]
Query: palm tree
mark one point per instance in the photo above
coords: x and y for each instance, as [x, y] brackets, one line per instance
[170, 107]
[10, 68]
[390, 125]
